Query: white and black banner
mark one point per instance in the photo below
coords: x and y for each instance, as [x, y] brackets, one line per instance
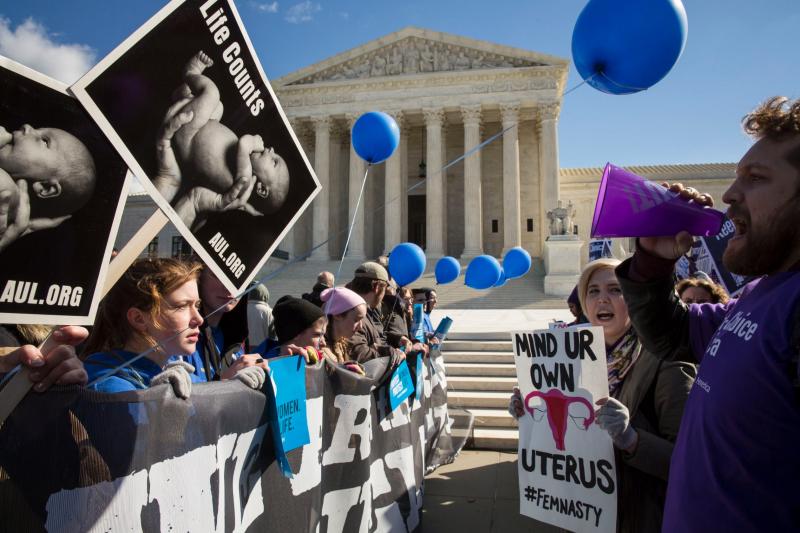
[76, 460]
[62, 191]
[185, 101]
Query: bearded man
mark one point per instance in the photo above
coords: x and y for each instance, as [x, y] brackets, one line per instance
[736, 464]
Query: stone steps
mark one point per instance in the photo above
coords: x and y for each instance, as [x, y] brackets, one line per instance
[480, 377]
[481, 383]
[479, 346]
[495, 438]
[481, 369]
[493, 418]
[481, 399]
[478, 357]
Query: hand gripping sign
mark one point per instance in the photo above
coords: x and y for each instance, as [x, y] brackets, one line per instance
[567, 477]
[557, 410]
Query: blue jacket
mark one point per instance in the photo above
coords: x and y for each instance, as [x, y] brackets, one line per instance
[137, 376]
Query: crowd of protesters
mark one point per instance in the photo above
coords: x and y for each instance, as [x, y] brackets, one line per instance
[703, 405]
[170, 321]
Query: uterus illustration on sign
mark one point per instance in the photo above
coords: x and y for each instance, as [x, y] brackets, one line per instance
[556, 404]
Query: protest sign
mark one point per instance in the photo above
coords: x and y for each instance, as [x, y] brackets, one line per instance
[288, 407]
[187, 104]
[567, 474]
[79, 460]
[600, 248]
[710, 257]
[418, 324]
[62, 191]
[400, 385]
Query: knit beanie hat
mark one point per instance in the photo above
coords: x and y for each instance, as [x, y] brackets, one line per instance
[340, 300]
[292, 316]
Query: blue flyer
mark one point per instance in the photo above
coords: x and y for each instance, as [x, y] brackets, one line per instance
[418, 324]
[400, 386]
[288, 419]
[420, 381]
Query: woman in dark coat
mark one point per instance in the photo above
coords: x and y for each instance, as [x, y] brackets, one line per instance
[646, 398]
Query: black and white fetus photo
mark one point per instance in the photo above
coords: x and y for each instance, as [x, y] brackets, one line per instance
[189, 107]
[62, 191]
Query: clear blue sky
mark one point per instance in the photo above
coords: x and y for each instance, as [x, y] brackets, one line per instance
[738, 53]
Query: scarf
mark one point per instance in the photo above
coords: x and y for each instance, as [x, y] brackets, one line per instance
[620, 359]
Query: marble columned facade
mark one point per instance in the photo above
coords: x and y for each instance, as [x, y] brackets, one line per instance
[448, 94]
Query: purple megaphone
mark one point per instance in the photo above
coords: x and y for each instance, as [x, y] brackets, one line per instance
[631, 206]
[557, 403]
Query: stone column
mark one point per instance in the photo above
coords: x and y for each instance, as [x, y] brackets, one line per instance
[509, 114]
[434, 186]
[357, 168]
[473, 222]
[548, 164]
[320, 206]
[392, 211]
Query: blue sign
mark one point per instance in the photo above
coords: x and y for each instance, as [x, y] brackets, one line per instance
[288, 418]
[418, 324]
[400, 386]
[420, 381]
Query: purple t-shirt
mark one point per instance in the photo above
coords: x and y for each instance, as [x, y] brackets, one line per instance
[736, 463]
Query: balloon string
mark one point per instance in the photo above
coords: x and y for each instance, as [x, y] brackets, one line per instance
[603, 74]
[299, 258]
[580, 84]
[352, 223]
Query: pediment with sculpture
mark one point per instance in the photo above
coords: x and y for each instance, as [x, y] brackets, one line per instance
[415, 55]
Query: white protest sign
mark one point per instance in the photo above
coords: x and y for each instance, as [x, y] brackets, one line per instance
[567, 475]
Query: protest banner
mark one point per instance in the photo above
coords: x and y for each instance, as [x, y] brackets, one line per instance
[187, 104]
[74, 460]
[567, 474]
[62, 191]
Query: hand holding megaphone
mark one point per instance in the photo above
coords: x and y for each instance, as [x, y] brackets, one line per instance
[672, 247]
[631, 206]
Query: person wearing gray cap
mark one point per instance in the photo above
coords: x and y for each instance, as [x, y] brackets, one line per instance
[370, 281]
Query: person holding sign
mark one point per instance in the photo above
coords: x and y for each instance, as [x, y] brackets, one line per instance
[300, 326]
[153, 308]
[645, 404]
[346, 312]
[221, 348]
[736, 466]
[369, 342]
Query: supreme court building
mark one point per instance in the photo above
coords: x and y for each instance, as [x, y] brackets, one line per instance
[448, 94]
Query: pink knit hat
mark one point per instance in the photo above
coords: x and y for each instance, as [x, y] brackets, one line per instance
[340, 300]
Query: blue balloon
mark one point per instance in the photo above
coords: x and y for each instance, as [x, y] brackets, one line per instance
[626, 46]
[517, 262]
[375, 137]
[447, 269]
[482, 272]
[406, 263]
[502, 280]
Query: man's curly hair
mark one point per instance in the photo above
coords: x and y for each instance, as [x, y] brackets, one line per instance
[778, 118]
